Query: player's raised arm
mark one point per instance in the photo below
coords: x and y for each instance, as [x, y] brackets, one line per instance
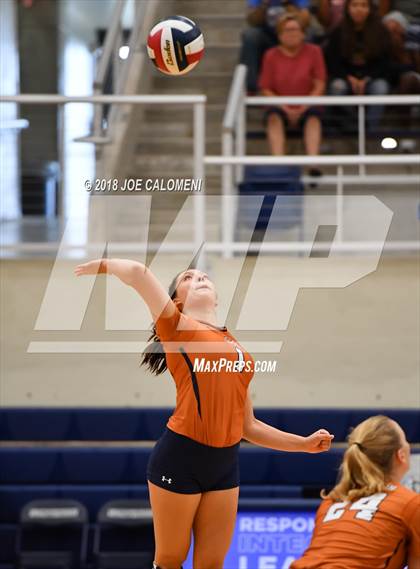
[136, 275]
[264, 435]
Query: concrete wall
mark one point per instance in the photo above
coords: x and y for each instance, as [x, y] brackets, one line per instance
[352, 346]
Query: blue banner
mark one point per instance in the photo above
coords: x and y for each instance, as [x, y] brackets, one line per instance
[267, 540]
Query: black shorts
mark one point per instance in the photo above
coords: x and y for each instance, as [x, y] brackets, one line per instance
[310, 112]
[180, 464]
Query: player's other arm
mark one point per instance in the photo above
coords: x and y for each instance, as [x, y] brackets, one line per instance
[136, 275]
[261, 434]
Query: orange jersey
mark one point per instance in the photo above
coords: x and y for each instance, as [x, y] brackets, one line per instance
[376, 532]
[212, 373]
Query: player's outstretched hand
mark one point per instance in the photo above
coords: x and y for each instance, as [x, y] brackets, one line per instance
[90, 268]
[319, 441]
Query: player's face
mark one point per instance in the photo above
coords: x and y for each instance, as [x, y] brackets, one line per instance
[194, 286]
[359, 11]
[404, 451]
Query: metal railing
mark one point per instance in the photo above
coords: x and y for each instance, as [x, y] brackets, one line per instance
[234, 120]
[234, 157]
[199, 123]
[111, 63]
[132, 75]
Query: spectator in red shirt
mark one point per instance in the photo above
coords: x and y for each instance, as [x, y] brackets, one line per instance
[293, 68]
[261, 33]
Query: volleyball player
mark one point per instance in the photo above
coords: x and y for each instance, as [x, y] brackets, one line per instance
[368, 521]
[193, 474]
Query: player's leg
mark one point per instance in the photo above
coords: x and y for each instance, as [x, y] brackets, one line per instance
[173, 515]
[213, 527]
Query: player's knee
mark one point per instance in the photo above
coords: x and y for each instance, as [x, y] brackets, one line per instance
[168, 562]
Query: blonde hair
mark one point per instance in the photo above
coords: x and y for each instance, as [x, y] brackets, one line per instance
[368, 460]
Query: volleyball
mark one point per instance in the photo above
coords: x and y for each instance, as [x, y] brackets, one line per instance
[175, 45]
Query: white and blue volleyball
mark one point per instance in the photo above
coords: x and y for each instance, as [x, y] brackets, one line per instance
[175, 45]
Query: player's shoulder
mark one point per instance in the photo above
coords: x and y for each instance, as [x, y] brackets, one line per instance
[408, 503]
[170, 327]
[404, 500]
[186, 323]
[324, 506]
[403, 493]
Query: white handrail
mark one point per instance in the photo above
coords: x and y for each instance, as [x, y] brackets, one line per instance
[199, 120]
[343, 159]
[370, 180]
[234, 142]
[109, 44]
[235, 94]
[217, 247]
[37, 99]
[14, 124]
[108, 50]
[229, 160]
[197, 101]
[339, 101]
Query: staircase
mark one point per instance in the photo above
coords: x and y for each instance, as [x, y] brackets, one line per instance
[162, 137]
[165, 142]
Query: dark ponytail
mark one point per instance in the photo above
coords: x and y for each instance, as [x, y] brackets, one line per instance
[154, 357]
[373, 32]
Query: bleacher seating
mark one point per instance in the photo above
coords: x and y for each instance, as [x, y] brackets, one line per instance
[112, 424]
[94, 472]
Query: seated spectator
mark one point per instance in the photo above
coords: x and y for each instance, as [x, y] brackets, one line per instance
[409, 8]
[406, 61]
[261, 35]
[330, 13]
[369, 520]
[402, 18]
[293, 68]
[358, 55]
